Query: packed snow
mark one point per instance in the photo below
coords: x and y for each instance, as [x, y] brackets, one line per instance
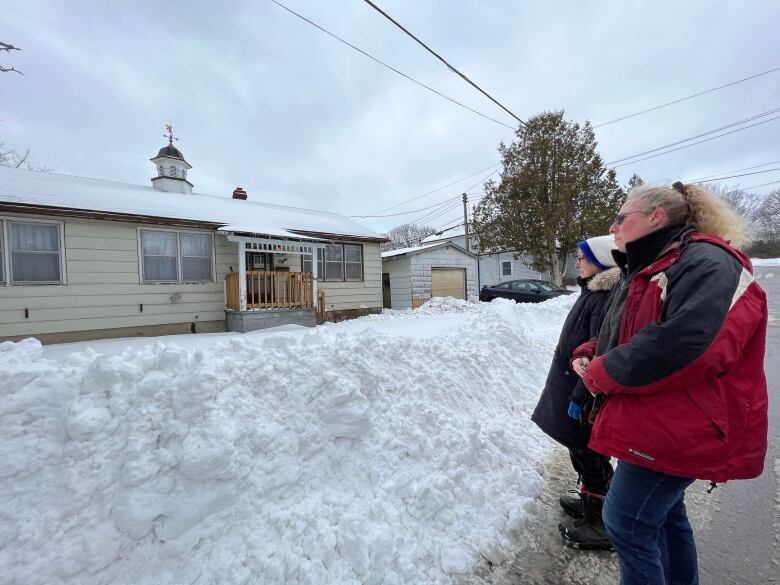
[765, 261]
[392, 449]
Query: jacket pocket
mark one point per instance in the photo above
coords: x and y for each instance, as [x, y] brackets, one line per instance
[713, 408]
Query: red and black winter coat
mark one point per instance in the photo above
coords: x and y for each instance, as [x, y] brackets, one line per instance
[563, 385]
[680, 360]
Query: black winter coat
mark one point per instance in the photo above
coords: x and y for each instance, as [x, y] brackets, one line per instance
[563, 385]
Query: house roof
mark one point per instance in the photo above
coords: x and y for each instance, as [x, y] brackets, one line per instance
[170, 151]
[418, 249]
[35, 191]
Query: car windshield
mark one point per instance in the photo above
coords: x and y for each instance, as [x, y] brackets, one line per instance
[549, 286]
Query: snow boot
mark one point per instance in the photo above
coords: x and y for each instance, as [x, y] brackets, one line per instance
[587, 532]
[572, 504]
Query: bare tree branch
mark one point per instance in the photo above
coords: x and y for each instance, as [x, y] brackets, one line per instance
[7, 48]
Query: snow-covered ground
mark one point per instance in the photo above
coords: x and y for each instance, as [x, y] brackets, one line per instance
[396, 448]
[765, 261]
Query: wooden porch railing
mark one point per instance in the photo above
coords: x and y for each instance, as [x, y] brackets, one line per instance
[271, 290]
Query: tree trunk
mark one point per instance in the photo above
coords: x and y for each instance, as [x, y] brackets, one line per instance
[555, 270]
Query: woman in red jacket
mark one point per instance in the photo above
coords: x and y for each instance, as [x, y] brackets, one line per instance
[678, 369]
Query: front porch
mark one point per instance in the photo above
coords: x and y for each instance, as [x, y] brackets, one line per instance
[274, 294]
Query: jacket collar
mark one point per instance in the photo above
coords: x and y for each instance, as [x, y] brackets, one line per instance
[645, 250]
[583, 282]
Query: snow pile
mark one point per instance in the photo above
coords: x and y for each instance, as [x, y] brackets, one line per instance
[338, 455]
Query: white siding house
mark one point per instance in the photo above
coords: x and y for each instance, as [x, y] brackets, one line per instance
[84, 259]
[496, 267]
[417, 274]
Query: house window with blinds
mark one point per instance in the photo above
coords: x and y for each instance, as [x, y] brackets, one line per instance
[506, 268]
[176, 257]
[35, 252]
[339, 263]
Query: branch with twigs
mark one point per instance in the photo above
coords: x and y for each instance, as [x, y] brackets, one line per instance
[8, 48]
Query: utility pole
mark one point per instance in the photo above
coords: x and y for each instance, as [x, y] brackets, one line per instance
[466, 220]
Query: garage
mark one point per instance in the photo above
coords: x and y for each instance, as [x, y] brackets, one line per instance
[412, 276]
[448, 282]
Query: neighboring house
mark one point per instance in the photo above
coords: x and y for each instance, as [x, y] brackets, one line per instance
[84, 258]
[496, 267]
[411, 276]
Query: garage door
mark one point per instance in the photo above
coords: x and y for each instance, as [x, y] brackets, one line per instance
[448, 282]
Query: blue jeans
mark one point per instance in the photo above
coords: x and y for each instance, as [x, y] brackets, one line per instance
[645, 517]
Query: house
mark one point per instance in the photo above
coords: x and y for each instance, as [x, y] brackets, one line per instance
[495, 267]
[411, 276]
[84, 258]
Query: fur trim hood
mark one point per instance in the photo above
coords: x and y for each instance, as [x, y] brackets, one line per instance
[604, 280]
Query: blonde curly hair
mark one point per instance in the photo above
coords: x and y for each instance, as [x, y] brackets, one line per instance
[694, 205]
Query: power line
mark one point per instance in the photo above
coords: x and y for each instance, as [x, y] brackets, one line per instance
[706, 177]
[677, 101]
[731, 125]
[405, 212]
[692, 144]
[761, 185]
[440, 58]
[740, 175]
[436, 190]
[390, 67]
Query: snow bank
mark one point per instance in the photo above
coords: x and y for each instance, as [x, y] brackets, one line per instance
[344, 454]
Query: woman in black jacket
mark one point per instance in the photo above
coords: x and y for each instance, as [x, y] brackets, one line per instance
[564, 403]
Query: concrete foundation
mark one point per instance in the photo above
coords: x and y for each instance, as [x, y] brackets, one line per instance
[346, 314]
[141, 331]
[254, 320]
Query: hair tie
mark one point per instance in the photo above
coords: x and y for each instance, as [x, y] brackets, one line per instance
[679, 187]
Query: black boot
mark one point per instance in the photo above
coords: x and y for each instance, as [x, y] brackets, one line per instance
[587, 532]
[572, 504]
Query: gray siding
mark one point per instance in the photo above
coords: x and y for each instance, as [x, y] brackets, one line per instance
[446, 257]
[365, 294]
[104, 289]
[490, 269]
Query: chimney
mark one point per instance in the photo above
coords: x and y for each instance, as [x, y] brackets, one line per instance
[239, 193]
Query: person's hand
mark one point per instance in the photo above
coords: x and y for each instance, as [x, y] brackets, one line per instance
[575, 410]
[580, 365]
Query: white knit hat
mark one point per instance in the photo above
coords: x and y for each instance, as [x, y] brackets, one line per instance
[598, 251]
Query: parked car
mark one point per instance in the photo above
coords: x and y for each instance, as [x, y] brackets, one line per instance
[522, 291]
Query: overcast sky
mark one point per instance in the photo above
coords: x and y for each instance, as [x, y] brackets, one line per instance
[261, 99]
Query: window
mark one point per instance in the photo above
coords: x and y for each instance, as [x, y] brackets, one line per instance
[171, 256]
[337, 263]
[196, 257]
[34, 252]
[523, 285]
[334, 262]
[506, 268]
[353, 262]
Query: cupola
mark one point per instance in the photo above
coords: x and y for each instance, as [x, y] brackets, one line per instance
[171, 168]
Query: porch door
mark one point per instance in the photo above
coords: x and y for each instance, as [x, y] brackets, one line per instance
[262, 261]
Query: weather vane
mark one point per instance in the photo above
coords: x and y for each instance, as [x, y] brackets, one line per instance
[169, 136]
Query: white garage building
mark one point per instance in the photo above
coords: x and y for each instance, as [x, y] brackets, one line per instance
[411, 276]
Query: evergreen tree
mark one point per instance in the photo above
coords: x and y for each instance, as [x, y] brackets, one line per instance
[553, 192]
[634, 181]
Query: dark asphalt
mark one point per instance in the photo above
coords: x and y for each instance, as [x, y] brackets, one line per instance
[740, 541]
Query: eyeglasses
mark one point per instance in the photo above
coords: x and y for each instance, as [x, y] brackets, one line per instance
[579, 259]
[621, 217]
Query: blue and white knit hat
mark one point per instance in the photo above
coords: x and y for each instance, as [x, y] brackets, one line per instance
[598, 251]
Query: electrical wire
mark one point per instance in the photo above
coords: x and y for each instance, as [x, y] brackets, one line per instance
[735, 176]
[692, 144]
[677, 101]
[390, 67]
[405, 212]
[706, 177]
[415, 198]
[440, 58]
[707, 133]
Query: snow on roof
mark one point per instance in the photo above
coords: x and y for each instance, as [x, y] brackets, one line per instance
[417, 249]
[65, 191]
